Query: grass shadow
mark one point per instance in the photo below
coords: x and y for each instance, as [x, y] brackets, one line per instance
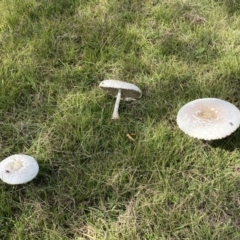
[232, 6]
[202, 49]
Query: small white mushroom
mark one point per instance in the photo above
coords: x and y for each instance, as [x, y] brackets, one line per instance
[122, 91]
[208, 118]
[18, 169]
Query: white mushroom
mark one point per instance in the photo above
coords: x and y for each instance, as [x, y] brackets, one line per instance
[120, 90]
[208, 118]
[18, 169]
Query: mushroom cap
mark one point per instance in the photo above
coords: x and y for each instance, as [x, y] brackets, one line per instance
[129, 91]
[208, 118]
[18, 169]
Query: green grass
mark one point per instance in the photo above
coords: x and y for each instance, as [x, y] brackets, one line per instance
[94, 182]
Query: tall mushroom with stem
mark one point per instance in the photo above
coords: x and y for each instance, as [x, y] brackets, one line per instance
[122, 91]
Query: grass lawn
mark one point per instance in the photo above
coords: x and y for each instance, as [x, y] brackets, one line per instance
[95, 183]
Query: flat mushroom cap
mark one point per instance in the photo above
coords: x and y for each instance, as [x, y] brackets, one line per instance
[208, 118]
[129, 91]
[18, 169]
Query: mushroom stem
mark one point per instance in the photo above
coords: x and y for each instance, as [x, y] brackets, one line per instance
[115, 114]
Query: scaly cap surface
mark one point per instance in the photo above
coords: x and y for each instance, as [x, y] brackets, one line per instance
[208, 118]
[18, 169]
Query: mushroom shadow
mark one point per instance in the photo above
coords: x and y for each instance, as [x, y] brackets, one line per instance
[230, 143]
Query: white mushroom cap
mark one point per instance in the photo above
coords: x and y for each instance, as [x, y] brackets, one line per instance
[18, 169]
[120, 90]
[129, 91]
[208, 118]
